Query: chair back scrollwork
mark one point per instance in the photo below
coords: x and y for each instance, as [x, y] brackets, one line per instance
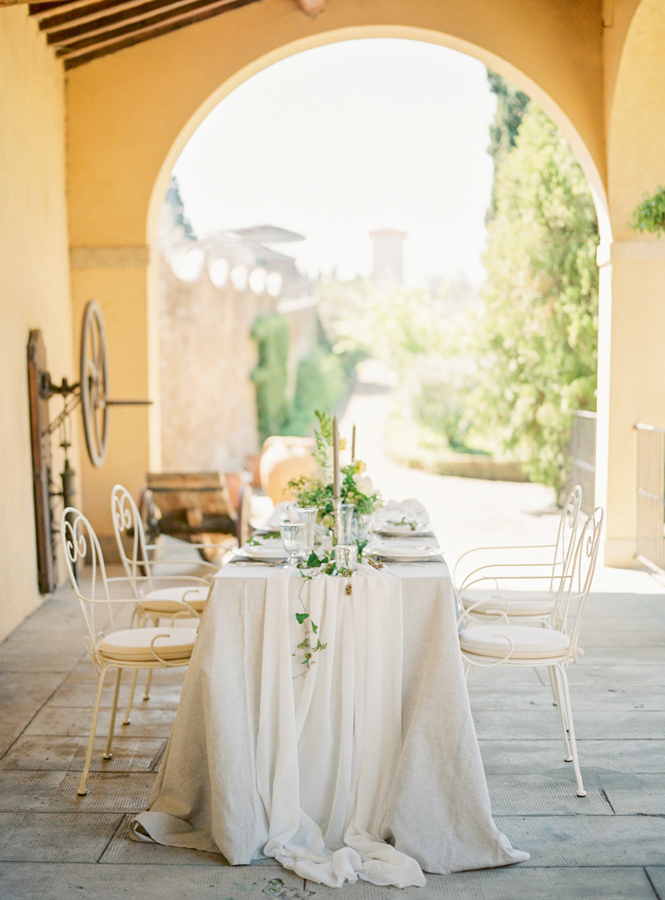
[127, 523]
[81, 547]
[566, 541]
[581, 574]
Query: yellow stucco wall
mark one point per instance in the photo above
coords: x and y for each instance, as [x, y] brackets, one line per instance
[34, 274]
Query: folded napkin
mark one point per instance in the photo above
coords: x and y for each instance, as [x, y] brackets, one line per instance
[394, 511]
[284, 512]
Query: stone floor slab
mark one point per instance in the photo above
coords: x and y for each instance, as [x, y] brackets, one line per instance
[50, 752]
[115, 882]
[587, 673]
[122, 850]
[82, 694]
[598, 697]
[515, 883]
[589, 725]
[55, 837]
[23, 695]
[656, 876]
[60, 652]
[637, 794]
[74, 720]
[541, 795]
[535, 756]
[577, 841]
[56, 792]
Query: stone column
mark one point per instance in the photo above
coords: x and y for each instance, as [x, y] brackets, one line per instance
[631, 379]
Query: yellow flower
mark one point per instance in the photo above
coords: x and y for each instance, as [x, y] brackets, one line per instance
[360, 466]
[342, 443]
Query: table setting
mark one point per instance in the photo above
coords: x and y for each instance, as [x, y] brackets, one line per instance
[324, 720]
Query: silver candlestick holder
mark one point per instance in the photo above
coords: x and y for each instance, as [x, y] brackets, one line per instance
[337, 513]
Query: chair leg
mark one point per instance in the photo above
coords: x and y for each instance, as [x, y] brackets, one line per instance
[555, 693]
[109, 740]
[146, 696]
[561, 708]
[127, 720]
[82, 791]
[571, 728]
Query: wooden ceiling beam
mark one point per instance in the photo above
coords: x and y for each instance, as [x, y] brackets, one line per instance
[145, 24]
[40, 9]
[82, 11]
[80, 56]
[139, 11]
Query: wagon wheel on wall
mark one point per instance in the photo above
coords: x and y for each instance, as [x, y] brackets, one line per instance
[94, 380]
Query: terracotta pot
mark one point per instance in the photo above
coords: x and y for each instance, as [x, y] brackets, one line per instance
[283, 459]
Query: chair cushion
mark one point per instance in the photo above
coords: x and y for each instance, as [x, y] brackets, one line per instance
[133, 645]
[161, 600]
[513, 603]
[529, 643]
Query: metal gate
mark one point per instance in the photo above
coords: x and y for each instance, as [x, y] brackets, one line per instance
[583, 458]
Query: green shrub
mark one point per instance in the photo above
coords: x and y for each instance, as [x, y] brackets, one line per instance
[271, 334]
[321, 382]
[649, 214]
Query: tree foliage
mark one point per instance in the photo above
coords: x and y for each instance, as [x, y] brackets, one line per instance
[538, 336]
[510, 108]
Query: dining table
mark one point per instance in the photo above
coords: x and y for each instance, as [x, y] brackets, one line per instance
[359, 763]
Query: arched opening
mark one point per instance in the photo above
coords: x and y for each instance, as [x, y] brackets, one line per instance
[226, 89]
[504, 67]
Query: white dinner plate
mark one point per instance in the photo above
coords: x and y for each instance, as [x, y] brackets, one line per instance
[404, 530]
[264, 551]
[405, 554]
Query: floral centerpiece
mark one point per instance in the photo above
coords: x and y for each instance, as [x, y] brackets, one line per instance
[317, 489]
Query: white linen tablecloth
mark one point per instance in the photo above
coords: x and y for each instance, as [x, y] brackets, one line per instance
[375, 743]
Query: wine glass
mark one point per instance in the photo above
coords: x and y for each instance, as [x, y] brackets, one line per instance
[307, 515]
[293, 538]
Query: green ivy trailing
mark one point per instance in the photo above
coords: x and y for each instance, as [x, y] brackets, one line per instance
[271, 334]
[649, 214]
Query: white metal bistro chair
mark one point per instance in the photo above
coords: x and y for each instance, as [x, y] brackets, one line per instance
[134, 648]
[555, 646]
[153, 603]
[509, 579]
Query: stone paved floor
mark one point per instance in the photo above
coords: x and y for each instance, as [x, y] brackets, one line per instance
[611, 844]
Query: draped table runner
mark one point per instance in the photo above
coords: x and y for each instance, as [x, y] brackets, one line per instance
[366, 766]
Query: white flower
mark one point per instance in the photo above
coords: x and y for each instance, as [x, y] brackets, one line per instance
[364, 484]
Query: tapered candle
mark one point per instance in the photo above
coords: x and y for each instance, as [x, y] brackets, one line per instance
[353, 444]
[336, 491]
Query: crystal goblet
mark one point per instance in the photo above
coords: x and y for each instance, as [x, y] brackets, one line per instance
[307, 515]
[293, 538]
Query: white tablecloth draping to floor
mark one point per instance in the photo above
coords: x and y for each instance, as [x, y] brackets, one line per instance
[366, 767]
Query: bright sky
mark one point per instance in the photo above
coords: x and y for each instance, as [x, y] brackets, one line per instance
[346, 139]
